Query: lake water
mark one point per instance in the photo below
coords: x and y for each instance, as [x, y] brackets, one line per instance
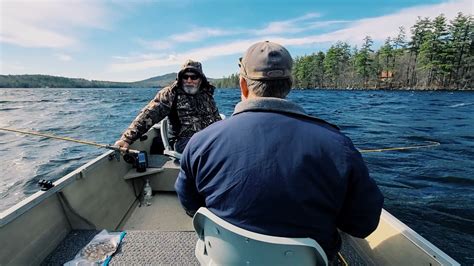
[430, 189]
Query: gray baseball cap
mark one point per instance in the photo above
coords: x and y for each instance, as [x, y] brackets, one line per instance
[191, 65]
[266, 61]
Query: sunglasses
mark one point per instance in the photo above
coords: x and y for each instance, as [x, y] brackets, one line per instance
[241, 66]
[193, 77]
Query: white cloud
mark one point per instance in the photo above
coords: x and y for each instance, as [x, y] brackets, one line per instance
[200, 54]
[63, 57]
[379, 28]
[51, 23]
[195, 35]
[139, 57]
[199, 34]
[295, 25]
[156, 45]
[29, 35]
[287, 26]
[322, 24]
[15, 66]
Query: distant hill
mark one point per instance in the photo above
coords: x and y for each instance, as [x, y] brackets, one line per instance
[158, 81]
[45, 81]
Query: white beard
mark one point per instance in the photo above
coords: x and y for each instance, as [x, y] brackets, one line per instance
[191, 89]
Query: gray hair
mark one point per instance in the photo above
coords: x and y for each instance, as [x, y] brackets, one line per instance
[278, 88]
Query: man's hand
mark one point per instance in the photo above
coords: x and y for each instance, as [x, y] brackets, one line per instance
[122, 144]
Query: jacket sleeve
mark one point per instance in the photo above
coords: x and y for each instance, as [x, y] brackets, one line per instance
[186, 185]
[152, 113]
[363, 202]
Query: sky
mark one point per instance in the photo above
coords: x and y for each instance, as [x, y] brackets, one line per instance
[132, 40]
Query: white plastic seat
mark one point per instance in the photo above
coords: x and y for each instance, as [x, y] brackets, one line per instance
[169, 151]
[221, 243]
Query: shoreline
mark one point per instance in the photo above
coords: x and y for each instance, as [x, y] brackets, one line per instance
[388, 89]
[302, 89]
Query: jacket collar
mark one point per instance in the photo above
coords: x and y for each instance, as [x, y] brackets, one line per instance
[269, 104]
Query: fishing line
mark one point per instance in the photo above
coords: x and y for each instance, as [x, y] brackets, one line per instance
[115, 148]
[342, 260]
[430, 144]
[35, 133]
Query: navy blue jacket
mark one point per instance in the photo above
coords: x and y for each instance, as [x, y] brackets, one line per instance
[272, 169]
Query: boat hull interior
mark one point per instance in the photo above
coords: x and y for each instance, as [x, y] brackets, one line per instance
[105, 194]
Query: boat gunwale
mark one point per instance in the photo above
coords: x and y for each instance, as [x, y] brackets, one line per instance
[418, 240]
[35, 199]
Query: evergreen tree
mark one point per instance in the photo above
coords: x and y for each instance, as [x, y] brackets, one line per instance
[318, 71]
[297, 72]
[460, 49]
[433, 52]
[364, 61]
[420, 32]
[385, 61]
[335, 64]
[399, 48]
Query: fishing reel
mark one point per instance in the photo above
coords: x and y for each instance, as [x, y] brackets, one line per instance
[45, 184]
[138, 160]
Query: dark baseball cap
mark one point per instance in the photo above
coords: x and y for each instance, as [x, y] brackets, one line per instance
[266, 61]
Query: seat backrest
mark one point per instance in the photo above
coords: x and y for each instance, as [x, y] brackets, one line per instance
[223, 243]
[164, 132]
[169, 151]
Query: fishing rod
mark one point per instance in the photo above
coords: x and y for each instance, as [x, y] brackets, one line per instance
[138, 159]
[36, 133]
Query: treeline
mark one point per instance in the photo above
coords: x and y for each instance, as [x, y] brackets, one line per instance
[231, 81]
[439, 55]
[46, 81]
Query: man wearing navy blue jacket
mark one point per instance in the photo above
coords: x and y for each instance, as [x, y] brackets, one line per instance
[273, 169]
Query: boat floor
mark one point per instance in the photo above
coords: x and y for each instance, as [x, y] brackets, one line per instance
[157, 234]
[164, 214]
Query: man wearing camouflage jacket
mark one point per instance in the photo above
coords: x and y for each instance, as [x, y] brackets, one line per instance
[188, 103]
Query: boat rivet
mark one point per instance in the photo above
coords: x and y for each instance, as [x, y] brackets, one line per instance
[288, 253]
[247, 240]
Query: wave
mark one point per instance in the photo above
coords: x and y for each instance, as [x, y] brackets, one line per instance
[393, 185]
[460, 105]
[450, 213]
[65, 160]
[455, 180]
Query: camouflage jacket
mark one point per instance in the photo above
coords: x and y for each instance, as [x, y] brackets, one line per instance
[187, 113]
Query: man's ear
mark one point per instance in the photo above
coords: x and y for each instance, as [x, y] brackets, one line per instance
[243, 88]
